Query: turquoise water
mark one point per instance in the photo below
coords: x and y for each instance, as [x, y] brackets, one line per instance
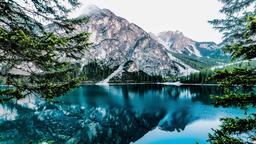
[140, 114]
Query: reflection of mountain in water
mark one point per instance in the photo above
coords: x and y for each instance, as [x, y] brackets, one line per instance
[73, 124]
[177, 120]
[114, 114]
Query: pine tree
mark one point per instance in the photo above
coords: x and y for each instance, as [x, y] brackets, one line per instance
[34, 57]
[239, 29]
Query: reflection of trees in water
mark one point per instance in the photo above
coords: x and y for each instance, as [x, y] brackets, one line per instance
[173, 92]
[123, 119]
[142, 89]
[64, 123]
[204, 93]
[95, 94]
[197, 93]
[200, 93]
[113, 124]
[125, 93]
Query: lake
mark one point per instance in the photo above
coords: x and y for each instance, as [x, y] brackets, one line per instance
[140, 114]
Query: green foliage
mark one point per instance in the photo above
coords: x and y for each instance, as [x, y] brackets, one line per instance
[231, 127]
[138, 77]
[2, 80]
[236, 76]
[34, 59]
[239, 32]
[238, 99]
[97, 71]
[202, 77]
[245, 49]
[234, 24]
[171, 78]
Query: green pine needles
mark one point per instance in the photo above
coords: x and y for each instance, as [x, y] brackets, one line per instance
[37, 46]
[239, 29]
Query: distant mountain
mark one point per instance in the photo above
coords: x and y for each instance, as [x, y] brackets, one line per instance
[177, 42]
[117, 41]
[125, 47]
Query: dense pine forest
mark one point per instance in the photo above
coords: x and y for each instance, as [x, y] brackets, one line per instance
[202, 77]
[96, 71]
[138, 77]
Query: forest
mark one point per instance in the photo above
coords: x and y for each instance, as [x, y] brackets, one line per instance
[97, 71]
[202, 77]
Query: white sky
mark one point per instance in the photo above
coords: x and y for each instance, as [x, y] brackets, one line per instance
[187, 16]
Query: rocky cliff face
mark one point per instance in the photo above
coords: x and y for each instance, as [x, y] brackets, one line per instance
[177, 42]
[117, 41]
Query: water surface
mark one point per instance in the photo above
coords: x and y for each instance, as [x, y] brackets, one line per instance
[142, 114]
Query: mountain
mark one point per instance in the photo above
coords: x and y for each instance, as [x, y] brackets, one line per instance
[117, 41]
[126, 50]
[121, 47]
[177, 42]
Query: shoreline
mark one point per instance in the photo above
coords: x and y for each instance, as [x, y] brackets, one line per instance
[158, 83]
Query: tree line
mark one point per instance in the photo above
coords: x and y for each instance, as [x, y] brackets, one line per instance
[202, 77]
[96, 71]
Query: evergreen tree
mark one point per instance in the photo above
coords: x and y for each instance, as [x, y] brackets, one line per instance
[34, 57]
[202, 77]
[239, 29]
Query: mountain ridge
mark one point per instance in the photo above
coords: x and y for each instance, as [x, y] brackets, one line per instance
[176, 41]
[116, 41]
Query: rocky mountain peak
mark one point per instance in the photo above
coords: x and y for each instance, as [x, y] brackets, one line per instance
[117, 41]
[171, 33]
[176, 41]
